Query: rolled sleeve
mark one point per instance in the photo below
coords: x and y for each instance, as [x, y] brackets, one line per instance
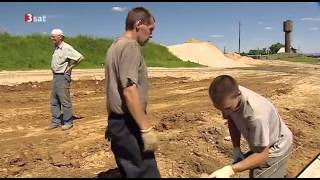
[258, 133]
[73, 54]
[129, 66]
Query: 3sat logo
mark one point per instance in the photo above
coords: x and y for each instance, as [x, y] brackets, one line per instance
[29, 18]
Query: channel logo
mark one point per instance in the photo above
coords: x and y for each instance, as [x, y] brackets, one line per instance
[30, 18]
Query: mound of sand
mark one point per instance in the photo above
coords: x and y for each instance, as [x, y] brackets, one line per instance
[193, 40]
[243, 59]
[233, 56]
[204, 53]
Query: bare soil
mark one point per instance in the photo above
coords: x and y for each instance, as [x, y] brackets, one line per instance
[192, 131]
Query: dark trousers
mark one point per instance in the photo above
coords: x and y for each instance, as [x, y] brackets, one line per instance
[127, 147]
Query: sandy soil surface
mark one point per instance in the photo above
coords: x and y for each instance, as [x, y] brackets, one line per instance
[192, 131]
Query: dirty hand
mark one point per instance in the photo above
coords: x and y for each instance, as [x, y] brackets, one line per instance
[237, 155]
[224, 172]
[150, 139]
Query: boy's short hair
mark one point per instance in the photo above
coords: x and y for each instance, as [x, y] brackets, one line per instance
[221, 87]
[138, 13]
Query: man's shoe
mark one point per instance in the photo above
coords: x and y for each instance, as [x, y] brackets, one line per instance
[67, 126]
[53, 126]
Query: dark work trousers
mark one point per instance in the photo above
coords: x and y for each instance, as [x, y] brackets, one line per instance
[127, 147]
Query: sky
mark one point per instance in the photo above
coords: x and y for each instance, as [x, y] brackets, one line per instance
[261, 23]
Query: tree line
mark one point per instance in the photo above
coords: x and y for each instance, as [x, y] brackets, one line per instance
[273, 49]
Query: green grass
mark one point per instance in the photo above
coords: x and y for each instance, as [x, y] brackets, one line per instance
[294, 58]
[35, 52]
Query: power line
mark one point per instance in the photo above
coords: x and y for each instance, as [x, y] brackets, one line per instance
[239, 37]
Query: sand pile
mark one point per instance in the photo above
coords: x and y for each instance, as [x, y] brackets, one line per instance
[243, 59]
[233, 56]
[204, 53]
[193, 40]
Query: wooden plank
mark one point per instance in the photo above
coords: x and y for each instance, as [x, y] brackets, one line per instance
[312, 170]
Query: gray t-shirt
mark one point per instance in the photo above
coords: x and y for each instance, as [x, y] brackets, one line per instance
[125, 65]
[62, 56]
[258, 121]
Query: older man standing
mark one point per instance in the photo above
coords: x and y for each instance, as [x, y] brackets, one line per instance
[64, 59]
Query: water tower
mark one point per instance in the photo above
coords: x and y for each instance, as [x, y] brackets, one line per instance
[287, 28]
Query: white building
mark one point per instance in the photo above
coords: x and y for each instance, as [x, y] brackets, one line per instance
[282, 50]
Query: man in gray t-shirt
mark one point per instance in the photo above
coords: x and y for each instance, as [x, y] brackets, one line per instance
[64, 59]
[257, 120]
[133, 140]
[122, 71]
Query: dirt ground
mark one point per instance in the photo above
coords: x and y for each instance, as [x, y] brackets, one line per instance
[192, 131]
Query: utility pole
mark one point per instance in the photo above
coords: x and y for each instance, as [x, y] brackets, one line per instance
[239, 37]
[224, 50]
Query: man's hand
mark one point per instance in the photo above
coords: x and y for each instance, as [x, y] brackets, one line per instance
[252, 161]
[150, 139]
[224, 172]
[132, 98]
[237, 155]
[74, 64]
[69, 69]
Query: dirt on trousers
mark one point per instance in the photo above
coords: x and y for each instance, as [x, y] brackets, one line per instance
[192, 132]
